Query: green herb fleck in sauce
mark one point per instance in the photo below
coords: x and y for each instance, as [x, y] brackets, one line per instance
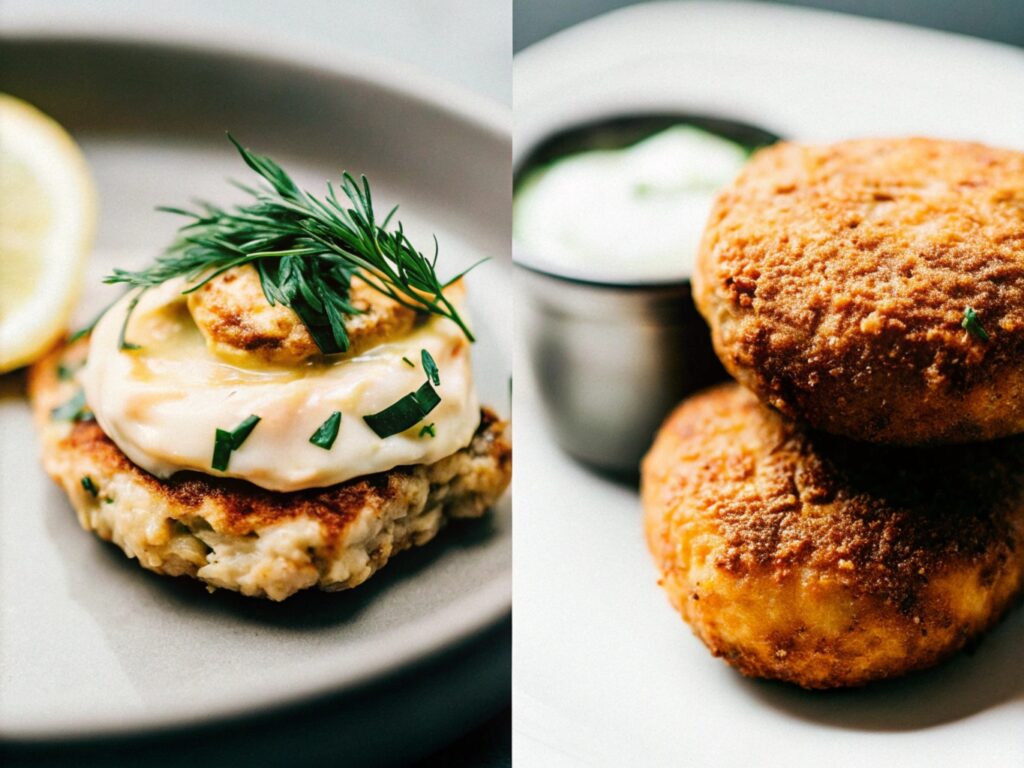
[327, 432]
[225, 442]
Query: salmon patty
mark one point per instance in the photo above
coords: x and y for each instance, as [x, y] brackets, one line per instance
[874, 288]
[810, 558]
[234, 535]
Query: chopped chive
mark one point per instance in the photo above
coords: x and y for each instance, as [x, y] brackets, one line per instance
[74, 409]
[327, 432]
[431, 368]
[90, 486]
[972, 325]
[428, 430]
[221, 450]
[408, 362]
[405, 413]
[108, 500]
[243, 430]
[225, 442]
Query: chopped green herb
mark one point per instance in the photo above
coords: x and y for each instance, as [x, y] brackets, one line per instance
[428, 430]
[408, 362]
[67, 372]
[225, 442]
[108, 500]
[74, 409]
[221, 450]
[90, 486]
[327, 432]
[972, 325]
[431, 368]
[243, 430]
[405, 413]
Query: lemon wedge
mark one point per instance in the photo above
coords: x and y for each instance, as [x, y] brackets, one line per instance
[47, 218]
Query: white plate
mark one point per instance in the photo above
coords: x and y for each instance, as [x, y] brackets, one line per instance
[605, 672]
[90, 644]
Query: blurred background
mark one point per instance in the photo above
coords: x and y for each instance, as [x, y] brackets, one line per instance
[461, 41]
[1001, 20]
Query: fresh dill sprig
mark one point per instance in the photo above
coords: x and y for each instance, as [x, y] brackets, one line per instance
[306, 251]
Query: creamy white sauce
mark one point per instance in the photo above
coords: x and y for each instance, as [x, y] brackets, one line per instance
[625, 215]
[163, 403]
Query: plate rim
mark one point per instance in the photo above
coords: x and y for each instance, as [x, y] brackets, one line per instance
[398, 77]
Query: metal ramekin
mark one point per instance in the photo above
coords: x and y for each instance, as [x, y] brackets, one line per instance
[611, 360]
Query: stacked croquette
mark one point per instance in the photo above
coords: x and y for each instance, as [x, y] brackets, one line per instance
[855, 511]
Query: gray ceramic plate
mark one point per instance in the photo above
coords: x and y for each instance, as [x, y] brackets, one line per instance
[92, 645]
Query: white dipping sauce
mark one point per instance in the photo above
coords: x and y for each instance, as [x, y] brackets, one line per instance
[625, 215]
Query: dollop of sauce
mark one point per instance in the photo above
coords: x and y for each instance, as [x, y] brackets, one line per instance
[624, 215]
[163, 403]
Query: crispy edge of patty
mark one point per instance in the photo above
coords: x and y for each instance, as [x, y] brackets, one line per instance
[234, 535]
[812, 559]
[835, 280]
[234, 316]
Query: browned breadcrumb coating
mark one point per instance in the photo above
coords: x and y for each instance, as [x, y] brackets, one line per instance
[234, 535]
[237, 321]
[835, 280]
[810, 558]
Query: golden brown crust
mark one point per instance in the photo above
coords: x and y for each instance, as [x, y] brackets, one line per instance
[835, 280]
[243, 508]
[813, 559]
[235, 535]
[237, 321]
